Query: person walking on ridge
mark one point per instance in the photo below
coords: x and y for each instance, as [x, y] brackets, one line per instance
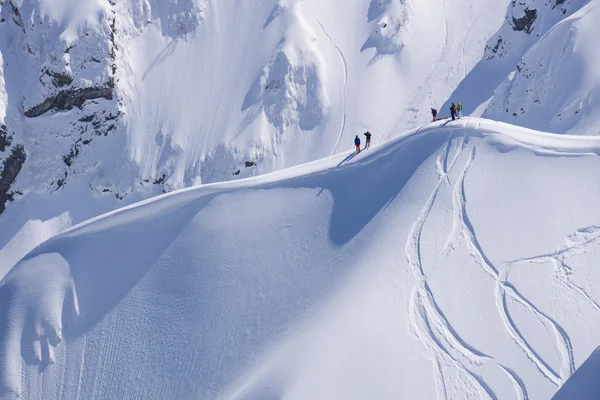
[357, 143]
[459, 110]
[368, 142]
[434, 113]
[453, 111]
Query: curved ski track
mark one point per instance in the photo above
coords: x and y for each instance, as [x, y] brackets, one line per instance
[345, 64]
[445, 348]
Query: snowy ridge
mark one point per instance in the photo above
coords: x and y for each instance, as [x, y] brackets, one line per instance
[181, 93]
[413, 276]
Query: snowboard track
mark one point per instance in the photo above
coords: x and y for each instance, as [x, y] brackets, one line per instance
[344, 94]
[446, 349]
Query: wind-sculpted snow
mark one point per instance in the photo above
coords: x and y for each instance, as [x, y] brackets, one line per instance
[291, 88]
[117, 101]
[405, 270]
[392, 26]
[533, 98]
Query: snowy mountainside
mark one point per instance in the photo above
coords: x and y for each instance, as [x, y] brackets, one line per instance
[537, 71]
[428, 266]
[555, 85]
[108, 102]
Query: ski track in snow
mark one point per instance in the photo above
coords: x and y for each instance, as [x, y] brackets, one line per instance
[561, 270]
[446, 349]
[345, 65]
[426, 318]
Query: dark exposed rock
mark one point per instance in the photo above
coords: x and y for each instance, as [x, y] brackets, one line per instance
[69, 98]
[68, 159]
[60, 80]
[10, 169]
[17, 19]
[61, 182]
[5, 138]
[249, 164]
[160, 180]
[497, 46]
[87, 118]
[525, 23]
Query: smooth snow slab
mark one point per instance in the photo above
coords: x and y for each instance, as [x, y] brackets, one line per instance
[584, 384]
[456, 261]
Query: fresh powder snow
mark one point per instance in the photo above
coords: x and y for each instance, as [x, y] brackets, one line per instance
[182, 214]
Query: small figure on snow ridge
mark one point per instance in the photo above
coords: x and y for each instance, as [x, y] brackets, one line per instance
[434, 114]
[459, 110]
[357, 143]
[453, 111]
[368, 142]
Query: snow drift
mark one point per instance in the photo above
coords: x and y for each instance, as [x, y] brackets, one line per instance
[106, 103]
[453, 262]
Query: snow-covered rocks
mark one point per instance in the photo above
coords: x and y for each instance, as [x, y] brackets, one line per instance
[554, 87]
[291, 88]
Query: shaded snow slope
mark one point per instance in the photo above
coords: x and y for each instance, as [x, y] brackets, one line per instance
[108, 102]
[556, 85]
[583, 384]
[456, 261]
[535, 67]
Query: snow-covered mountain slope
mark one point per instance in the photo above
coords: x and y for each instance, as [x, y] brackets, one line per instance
[537, 70]
[555, 87]
[109, 102]
[456, 261]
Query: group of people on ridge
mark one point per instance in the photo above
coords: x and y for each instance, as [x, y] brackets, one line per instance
[367, 143]
[455, 112]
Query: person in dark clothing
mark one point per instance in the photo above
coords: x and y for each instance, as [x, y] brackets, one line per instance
[357, 143]
[453, 111]
[368, 142]
[434, 113]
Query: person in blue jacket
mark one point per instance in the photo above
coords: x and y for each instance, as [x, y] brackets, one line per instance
[357, 143]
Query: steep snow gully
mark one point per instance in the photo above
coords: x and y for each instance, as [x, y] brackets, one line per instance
[455, 261]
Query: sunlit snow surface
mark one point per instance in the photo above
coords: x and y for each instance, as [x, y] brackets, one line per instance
[456, 261]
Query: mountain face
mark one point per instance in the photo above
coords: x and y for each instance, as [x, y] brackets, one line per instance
[104, 103]
[431, 266]
[452, 261]
[555, 85]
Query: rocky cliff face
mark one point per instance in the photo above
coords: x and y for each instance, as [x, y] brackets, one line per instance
[51, 65]
[554, 84]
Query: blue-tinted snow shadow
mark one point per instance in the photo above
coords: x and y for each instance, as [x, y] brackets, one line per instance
[584, 383]
[127, 254]
[350, 157]
[362, 189]
[479, 85]
[375, 10]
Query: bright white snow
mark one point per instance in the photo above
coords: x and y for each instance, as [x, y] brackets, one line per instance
[456, 261]
[212, 91]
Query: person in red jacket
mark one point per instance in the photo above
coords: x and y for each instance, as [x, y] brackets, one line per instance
[434, 113]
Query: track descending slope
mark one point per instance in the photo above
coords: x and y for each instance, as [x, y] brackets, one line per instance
[455, 261]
